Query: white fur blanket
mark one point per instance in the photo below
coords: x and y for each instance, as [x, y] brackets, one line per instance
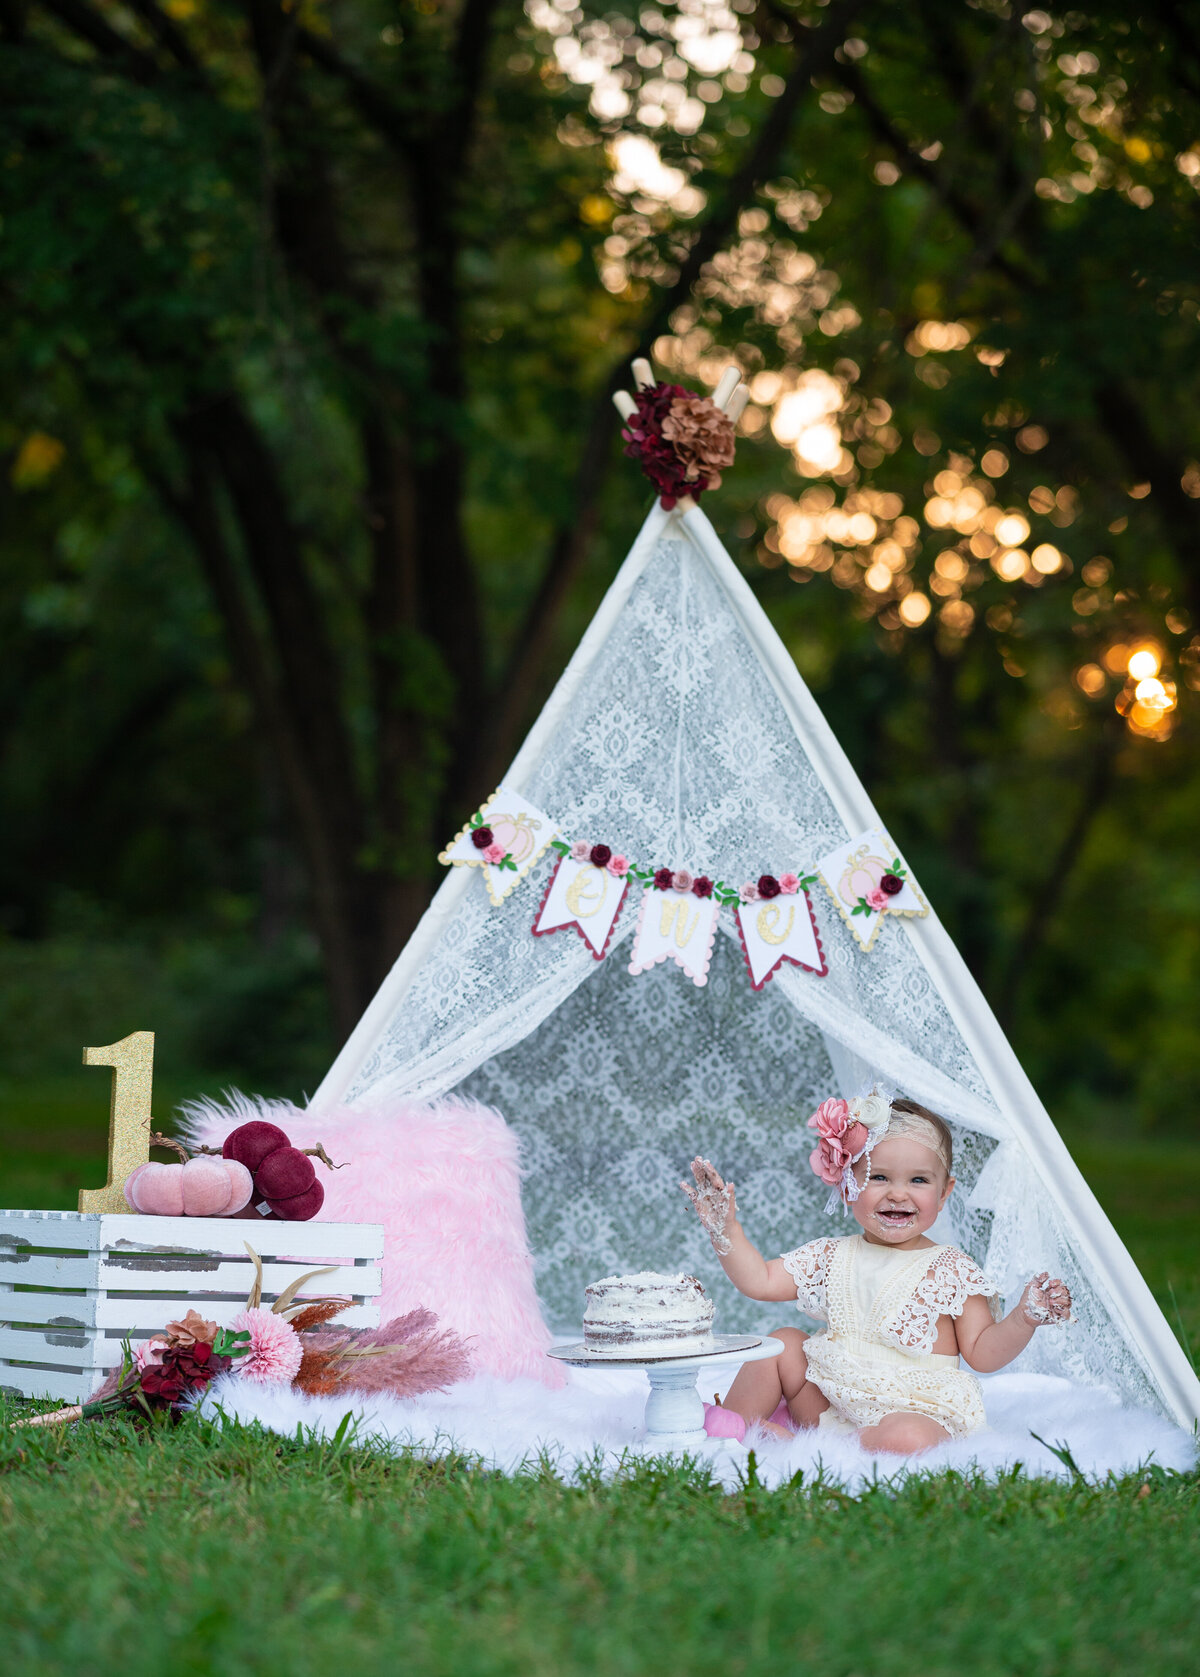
[596, 1418]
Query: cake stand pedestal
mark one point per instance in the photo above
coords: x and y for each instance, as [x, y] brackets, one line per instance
[674, 1418]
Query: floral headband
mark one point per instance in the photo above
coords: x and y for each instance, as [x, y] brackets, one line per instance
[850, 1129]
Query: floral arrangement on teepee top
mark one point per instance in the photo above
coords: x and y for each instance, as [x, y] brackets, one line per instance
[683, 441]
[289, 1344]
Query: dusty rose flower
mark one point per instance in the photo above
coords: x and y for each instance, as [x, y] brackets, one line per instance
[855, 1138]
[702, 437]
[149, 1352]
[600, 855]
[481, 837]
[702, 887]
[618, 866]
[877, 899]
[749, 893]
[494, 854]
[682, 880]
[192, 1330]
[275, 1350]
[789, 884]
[662, 879]
[829, 1159]
[892, 884]
[831, 1119]
[580, 850]
[768, 886]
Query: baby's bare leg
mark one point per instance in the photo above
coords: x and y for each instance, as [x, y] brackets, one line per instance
[903, 1435]
[756, 1392]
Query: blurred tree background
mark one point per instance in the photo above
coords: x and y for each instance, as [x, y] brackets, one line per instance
[311, 317]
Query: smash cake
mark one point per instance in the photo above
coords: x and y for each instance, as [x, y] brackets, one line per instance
[649, 1315]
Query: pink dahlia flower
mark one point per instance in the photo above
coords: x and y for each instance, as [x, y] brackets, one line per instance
[275, 1350]
[831, 1119]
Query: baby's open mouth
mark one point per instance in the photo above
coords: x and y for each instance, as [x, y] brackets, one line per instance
[899, 1218]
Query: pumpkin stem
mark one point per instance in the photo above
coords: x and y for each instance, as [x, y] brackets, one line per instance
[158, 1140]
[318, 1152]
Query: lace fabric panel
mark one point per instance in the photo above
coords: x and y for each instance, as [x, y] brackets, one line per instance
[808, 1267]
[950, 1281]
[677, 751]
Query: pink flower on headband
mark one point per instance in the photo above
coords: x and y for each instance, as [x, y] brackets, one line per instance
[855, 1139]
[829, 1159]
[831, 1119]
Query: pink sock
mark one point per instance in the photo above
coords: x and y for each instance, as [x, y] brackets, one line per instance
[783, 1416]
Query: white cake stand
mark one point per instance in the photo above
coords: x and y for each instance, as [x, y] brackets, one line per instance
[674, 1409]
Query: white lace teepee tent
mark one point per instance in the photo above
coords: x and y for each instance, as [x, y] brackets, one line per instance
[682, 734]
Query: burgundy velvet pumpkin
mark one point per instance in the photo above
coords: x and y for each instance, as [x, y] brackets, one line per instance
[251, 1143]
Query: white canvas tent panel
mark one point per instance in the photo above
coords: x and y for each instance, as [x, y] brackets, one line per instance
[682, 733]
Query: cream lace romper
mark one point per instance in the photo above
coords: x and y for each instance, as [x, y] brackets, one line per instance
[876, 1357]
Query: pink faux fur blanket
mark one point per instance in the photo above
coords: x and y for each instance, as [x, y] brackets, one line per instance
[443, 1179]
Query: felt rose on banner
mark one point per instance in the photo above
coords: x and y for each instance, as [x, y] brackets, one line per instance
[682, 880]
[702, 887]
[618, 866]
[494, 854]
[749, 892]
[581, 851]
[481, 837]
[663, 879]
[876, 899]
[768, 886]
[789, 884]
[600, 855]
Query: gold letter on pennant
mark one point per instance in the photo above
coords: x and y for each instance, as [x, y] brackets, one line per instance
[578, 893]
[768, 920]
[675, 913]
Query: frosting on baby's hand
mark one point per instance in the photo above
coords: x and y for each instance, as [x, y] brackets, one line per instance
[1046, 1303]
[713, 1200]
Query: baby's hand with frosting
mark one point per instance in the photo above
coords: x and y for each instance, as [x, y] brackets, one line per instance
[1046, 1303]
[714, 1203]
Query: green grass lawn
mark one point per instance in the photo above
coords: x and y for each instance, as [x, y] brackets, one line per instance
[197, 1551]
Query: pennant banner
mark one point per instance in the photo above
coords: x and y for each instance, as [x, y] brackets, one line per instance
[675, 926]
[868, 880]
[782, 929]
[505, 839]
[583, 896]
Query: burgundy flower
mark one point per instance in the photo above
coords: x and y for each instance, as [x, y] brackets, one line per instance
[702, 887]
[662, 879]
[183, 1369]
[768, 886]
[601, 855]
[655, 453]
[891, 884]
[481, 837]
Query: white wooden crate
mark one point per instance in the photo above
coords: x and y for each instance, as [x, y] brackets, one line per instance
[74, 1284]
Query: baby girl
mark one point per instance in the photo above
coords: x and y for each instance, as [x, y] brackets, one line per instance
[900, 1310]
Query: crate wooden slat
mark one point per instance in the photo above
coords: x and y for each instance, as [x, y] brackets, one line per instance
[73, 1285]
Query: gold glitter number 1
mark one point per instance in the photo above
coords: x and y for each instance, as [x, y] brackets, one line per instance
[132, 1060]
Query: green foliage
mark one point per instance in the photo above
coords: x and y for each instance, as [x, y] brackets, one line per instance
[201, 1548]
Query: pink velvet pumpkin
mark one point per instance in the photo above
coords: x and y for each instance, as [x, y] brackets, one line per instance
[202, 1187]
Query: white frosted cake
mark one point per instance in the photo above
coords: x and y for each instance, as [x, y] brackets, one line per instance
[648, 1315]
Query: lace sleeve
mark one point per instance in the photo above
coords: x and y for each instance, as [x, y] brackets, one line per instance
[808, 1267]
[946, 1286]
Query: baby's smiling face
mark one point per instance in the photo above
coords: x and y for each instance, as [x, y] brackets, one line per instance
[901, 1197]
